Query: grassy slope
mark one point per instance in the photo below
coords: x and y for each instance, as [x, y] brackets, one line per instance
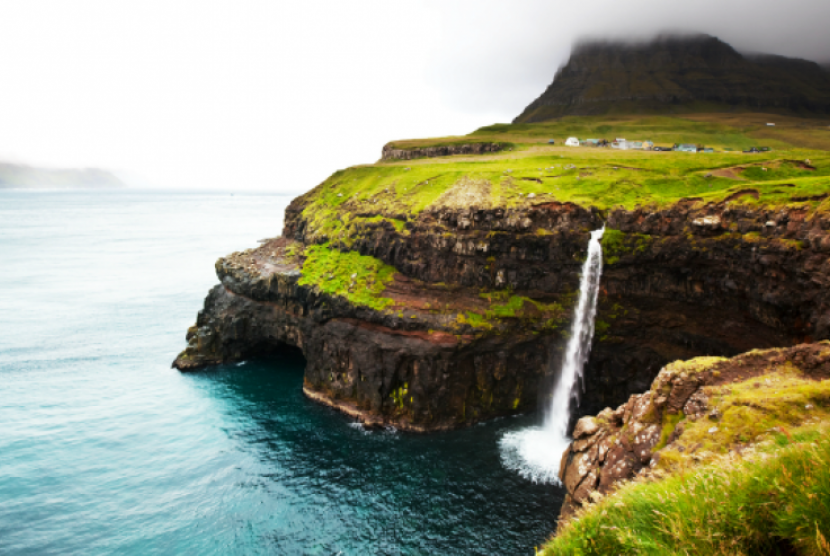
[600, 177]
[360, 279]
[363, 281]
[759, 504]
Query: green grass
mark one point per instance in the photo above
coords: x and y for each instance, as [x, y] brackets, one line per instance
[362, 280]
[662, 130]
[616, 244]
[505, 304]
[749, 410]
[508, 307]
[358, 278]
[603, 178]
[735, 131]
[734, 507]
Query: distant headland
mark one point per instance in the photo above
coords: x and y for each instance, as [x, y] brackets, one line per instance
[20, 176]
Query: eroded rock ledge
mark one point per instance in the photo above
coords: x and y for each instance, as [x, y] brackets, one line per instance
[695, 411]
[391, 153]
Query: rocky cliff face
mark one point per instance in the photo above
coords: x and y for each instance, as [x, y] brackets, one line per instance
[419, 364]
[693, 412]
[679, 74]
[692, 279]
[391, 152]
[716, 279]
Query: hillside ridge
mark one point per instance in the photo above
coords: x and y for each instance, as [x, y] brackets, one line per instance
[19, 176]
[679, 74]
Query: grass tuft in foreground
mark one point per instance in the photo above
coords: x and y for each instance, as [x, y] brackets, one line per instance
[775, 501]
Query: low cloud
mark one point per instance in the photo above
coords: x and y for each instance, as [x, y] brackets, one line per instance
[500, 56]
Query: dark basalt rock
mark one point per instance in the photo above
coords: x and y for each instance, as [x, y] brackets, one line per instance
[412, 379]
[391, 153]
[690, 279]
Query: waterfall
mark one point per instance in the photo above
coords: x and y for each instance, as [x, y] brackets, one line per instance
[536, 452]
[579, 344]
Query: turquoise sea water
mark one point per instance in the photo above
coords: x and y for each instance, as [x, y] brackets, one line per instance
[106, 450]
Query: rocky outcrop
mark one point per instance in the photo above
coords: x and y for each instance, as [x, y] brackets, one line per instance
[677, 74]
[391, 152]
[693, 411]
[406, 367]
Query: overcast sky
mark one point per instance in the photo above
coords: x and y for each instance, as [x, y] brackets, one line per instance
[275, 95]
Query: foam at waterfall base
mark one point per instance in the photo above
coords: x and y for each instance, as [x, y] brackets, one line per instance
[534, 453]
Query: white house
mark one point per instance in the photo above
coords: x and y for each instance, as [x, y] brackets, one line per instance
[572, 142]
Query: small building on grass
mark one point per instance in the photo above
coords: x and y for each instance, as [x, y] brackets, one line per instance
[686, 148]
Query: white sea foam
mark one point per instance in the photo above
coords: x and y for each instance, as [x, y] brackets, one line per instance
[533, 453]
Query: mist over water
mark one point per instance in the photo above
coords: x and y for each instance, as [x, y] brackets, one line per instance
[536, 452]
[106, 450]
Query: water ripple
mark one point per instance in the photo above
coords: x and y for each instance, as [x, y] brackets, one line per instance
[106, 450]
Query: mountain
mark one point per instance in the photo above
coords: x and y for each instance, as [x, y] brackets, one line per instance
[677, 74]
[30, 177]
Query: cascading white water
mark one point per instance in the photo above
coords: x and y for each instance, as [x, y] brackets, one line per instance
[536, 452]
[579, 344]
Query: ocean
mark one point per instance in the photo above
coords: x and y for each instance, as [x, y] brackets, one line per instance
[104, 449]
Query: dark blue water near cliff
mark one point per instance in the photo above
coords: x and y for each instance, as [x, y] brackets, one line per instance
[106, 450]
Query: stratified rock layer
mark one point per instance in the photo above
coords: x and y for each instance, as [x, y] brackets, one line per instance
[381, 367]
[687, 280]
[391, 152]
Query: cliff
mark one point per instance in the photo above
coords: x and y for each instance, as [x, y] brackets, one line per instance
[434, 293]
[396, 151]
[384, 346]
[677, 75]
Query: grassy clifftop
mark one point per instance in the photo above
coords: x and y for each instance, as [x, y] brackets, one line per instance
[738, 463]
[770, 501]
[796, 170]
